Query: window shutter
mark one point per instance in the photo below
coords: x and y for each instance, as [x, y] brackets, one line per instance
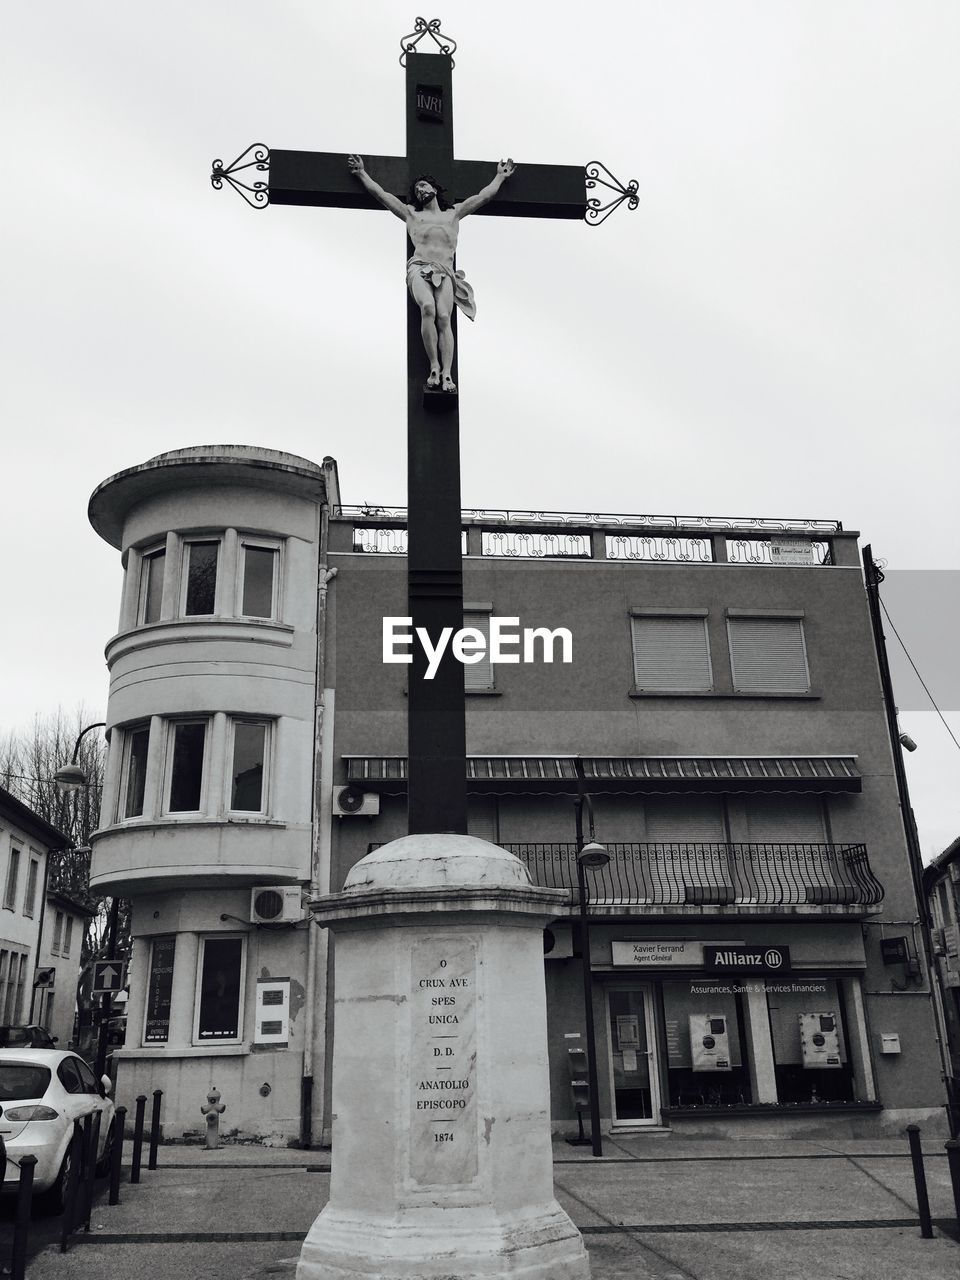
[768, 655]
[677, 820]
[785, 820]
[482, 818]
[671, 653]
[478, 675]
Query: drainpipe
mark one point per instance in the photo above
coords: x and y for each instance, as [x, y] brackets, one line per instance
[873, 577]
[317, 943]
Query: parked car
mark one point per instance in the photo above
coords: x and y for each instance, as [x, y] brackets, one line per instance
[117, 1029]
[42, 1093]
[30, 1035]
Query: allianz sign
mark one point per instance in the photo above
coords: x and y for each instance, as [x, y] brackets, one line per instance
[746, 959]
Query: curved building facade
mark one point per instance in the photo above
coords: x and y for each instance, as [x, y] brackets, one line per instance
[209, 792]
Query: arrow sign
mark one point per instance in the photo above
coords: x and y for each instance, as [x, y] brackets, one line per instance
[108, 976]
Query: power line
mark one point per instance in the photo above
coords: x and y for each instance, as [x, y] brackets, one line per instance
[917, 673]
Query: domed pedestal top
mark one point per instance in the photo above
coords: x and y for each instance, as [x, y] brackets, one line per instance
[437, 861]
[438, 873]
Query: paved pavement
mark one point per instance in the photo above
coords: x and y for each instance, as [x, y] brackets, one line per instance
[665, 1207]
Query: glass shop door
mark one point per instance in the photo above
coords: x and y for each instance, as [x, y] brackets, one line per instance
[633, 1069]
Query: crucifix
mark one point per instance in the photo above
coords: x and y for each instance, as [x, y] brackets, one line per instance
[436, 734]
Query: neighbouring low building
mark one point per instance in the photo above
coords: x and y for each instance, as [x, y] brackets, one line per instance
[722, 711]
[941, 882]
[26, 844]
[65, 920]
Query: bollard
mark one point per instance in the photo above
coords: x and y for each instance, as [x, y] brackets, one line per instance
[154, 1129]
[953, 1164]
[116, 1155]
[73, 1187]
[91, 1142]
[213, 1110]
[21, 1231]
[138, 1138]
[920, 1178]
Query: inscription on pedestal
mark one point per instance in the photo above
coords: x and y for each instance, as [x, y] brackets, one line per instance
[443, 1060]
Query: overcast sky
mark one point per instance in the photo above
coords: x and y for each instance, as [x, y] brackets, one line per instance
[774, 332]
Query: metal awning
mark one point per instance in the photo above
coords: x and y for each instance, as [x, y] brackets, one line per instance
[624, 774]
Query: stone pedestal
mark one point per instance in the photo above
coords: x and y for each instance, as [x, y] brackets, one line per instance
[442, 1166]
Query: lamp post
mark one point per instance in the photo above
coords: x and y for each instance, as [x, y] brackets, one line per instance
[589, 855]
[71, 777]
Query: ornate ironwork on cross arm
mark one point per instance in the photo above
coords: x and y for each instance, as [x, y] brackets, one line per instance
[256, 156]
[445, 44]
[599, 175]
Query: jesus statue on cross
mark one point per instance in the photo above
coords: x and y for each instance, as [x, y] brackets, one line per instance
[434, 283]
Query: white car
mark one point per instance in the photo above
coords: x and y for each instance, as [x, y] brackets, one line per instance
[42, 1093]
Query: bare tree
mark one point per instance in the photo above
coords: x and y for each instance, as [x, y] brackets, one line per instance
[28, 760]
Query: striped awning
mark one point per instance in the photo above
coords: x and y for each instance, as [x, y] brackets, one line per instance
[622, 774]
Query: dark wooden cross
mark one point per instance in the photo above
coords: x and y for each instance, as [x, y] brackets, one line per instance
[436, 765]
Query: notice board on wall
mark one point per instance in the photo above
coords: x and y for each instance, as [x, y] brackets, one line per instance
[156, 1028]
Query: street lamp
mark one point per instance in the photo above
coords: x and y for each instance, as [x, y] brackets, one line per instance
[591, 855]
[71, 777]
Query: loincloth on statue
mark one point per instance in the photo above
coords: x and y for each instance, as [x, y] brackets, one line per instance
[435, 273]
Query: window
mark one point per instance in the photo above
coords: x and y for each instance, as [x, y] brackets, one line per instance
[259, 580]
[478, 675]
[200, 561]
[151, 585]
[69, 1076]
[30, 896]
[686, 853]
[671, 652]
[67, 935]
[13, 969]
[247, 790]
[808, 1030]
[57, 932]
[219, 1014]
[13, 875]
[134, 772]
[707, 1059]
[88, 1080]
[185, 785]
[768, 655]
[21, 977]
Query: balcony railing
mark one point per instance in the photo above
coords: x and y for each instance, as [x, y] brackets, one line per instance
[755, 875]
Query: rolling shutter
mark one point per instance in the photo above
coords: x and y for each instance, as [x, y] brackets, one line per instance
[478, 675]
[785, 820]
[679, 819]
[671, 654]
[767, 655]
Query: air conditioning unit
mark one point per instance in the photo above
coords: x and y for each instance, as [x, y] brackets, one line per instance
[354, 802]
[558, 942]
[276, 904]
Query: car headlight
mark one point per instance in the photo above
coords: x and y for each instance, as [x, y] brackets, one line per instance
[35, 1112]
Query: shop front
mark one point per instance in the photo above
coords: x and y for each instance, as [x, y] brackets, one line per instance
[696, 1031]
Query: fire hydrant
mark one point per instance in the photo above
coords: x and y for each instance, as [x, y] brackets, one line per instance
[213, 1110]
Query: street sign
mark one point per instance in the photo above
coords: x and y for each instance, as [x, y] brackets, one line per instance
[109, 976]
